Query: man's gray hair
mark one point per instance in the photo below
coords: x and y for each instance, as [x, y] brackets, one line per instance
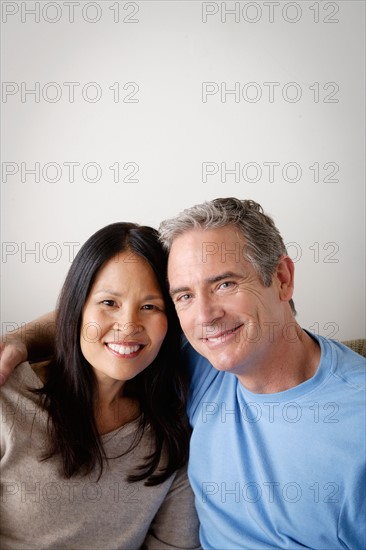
[264, 244]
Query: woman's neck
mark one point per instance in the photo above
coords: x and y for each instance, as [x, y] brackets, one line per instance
[113, 409]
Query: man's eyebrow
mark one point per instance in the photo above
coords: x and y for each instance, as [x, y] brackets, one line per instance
[221, 276]
[210, 280]
[173, 291]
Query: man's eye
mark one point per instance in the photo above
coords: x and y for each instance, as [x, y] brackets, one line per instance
[183, 298]
[226, 284]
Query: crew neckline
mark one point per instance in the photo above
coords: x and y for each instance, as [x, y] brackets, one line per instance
[306, 387]
[25, 369]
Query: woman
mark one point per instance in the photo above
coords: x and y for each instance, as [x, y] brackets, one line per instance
[94, 456]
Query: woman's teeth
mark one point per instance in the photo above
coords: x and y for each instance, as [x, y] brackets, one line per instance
[124, 350]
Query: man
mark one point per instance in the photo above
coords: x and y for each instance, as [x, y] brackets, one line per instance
[277, 454]
[278, 446]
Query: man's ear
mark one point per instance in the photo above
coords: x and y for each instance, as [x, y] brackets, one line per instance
[285, 277]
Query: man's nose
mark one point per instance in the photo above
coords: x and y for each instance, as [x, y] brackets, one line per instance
[209, 312]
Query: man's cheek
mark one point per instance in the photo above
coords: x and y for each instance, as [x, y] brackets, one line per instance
[185, 324]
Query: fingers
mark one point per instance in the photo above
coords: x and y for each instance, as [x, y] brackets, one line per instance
[12, 353]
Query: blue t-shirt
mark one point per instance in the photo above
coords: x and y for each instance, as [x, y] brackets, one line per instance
[283, 470]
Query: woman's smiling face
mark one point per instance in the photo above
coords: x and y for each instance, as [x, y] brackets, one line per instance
[123, 321]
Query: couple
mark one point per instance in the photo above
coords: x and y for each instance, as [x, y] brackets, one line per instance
[278, 429]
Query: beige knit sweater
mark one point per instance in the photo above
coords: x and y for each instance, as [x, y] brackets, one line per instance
[41, 509]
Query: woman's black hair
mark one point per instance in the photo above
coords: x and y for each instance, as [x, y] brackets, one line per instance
[70, 390]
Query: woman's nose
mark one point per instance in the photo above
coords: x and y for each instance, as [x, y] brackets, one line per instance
[128, 323]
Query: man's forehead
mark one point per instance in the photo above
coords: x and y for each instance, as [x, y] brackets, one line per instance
[216, 235]
[215, 245]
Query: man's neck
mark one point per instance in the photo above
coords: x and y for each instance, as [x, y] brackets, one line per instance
[284, 365]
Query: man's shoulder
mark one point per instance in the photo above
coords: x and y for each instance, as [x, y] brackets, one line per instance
[198, 366]
[344, 363]
[203, 377]
[190, 354]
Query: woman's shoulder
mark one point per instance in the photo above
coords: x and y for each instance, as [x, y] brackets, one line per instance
[22, 379]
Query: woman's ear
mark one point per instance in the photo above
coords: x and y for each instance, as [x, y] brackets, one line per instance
[285, 277]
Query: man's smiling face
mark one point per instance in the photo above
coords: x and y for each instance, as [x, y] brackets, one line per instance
[226, 312]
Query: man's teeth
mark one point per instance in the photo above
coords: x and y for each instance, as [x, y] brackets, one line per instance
[221, 336]
[124, 350]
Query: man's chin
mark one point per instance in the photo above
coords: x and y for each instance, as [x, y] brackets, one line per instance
[221, 362]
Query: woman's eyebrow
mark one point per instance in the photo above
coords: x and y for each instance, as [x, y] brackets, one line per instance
[118, 294]
[107, 291]
[154, 297]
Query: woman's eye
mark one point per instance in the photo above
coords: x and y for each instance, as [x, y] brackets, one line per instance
[109, 303]
[149, 306]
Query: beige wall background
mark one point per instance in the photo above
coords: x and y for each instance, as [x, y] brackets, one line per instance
[118, 110]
